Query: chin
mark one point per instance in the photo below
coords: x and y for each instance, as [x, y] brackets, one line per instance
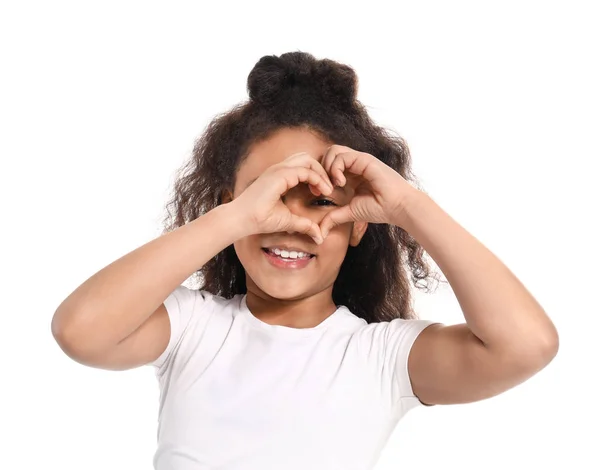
[283, 289]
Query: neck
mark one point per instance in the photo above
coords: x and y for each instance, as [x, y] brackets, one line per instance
[304, 312]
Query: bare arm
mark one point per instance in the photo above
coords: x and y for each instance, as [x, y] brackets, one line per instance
[116, 319]
[507, 336]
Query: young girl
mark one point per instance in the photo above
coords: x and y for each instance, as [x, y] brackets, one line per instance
[300, 349]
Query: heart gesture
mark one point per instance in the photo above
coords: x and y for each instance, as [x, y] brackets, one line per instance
[380, 192]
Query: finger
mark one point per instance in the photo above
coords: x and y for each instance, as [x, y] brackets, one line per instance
[334, 218]
[337, 168]
[339, 160]
[316, 166]
[299, 174]
[290, 177]
[330, 154]
[332, 164]
[314, 190]
[308, 227]
[353, 163]
[306, 160]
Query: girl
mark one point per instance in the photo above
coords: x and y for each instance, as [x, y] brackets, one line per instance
[300, 349]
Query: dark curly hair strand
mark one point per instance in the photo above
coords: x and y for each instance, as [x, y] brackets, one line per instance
[295, 90]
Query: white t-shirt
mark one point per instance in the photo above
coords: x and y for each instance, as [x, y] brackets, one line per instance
[239, 394]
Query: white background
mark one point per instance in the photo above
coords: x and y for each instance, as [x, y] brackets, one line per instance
[100, 103]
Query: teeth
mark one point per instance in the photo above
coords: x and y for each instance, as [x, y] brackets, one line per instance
[289, 254]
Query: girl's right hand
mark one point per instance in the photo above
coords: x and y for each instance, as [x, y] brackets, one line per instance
[261, 203]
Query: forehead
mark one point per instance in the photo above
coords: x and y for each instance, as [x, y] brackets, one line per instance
[278, 147]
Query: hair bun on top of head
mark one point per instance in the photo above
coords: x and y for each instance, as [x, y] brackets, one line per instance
[274, 77]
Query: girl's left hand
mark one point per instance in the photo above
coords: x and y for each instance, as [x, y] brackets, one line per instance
[380, 192]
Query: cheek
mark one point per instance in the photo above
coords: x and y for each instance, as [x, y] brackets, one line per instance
[336, 243]
[247, 249]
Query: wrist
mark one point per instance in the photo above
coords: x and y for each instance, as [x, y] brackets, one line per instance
[232, 221]
[409, 207]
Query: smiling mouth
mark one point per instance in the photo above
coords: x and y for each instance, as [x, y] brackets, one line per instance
[289, 258]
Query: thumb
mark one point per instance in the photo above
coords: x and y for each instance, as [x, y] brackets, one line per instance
[306, 226]
[334, 218]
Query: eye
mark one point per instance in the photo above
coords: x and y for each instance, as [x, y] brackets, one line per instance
[327, 202]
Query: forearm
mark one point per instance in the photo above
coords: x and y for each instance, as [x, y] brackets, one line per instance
[498, 309]
[116, 300]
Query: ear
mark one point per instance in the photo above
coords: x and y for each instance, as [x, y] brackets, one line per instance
[358, 230]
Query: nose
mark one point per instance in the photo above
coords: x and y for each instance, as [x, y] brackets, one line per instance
[300, 205]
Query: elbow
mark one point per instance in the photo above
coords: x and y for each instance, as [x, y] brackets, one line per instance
[540, 349]
[540, 341]
[72, 338]
[530, 352]
[546, 341]
[550, 344]
[66, 337]
[60, 330]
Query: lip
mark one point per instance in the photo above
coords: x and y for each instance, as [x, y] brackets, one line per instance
[297, 263]
[288, 248]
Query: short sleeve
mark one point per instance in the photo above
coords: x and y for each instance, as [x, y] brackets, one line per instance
[406, 332]
[182, 305]
[389, 345]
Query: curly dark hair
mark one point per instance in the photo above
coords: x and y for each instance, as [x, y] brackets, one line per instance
[295, 90]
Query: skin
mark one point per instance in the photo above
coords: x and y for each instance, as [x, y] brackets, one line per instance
[294, 298]
[506, 338]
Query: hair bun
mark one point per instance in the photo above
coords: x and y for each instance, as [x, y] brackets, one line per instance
[274, 77]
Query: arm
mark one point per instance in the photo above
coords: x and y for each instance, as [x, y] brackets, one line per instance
[507, 337]
[116, 318]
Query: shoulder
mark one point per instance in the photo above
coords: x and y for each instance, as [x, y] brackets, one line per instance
[392, 333]
[184, 298]
[185, 305]
[384, 348]
[194, 314]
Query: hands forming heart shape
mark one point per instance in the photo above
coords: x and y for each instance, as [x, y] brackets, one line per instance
[380, 193]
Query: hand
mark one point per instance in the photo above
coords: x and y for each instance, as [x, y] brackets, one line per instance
[379, 191]
[261, 202]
